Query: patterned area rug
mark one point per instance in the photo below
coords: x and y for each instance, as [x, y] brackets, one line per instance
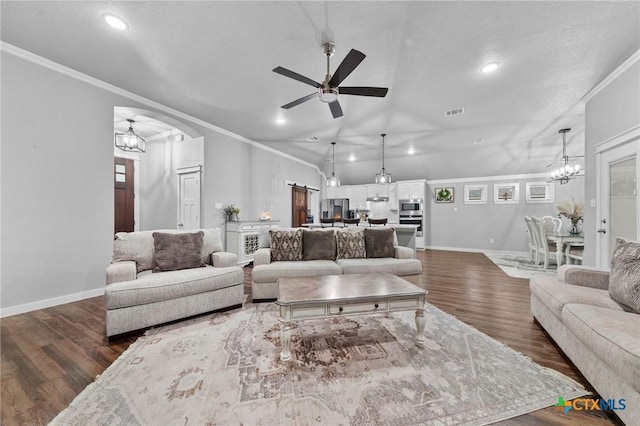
[520, 266]
[224, 369]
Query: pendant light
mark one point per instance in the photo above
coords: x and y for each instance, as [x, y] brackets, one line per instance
[333, 180]
[383, 176]
[129, 141]
[567, 167]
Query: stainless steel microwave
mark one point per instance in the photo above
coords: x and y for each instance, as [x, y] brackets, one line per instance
[410, 207]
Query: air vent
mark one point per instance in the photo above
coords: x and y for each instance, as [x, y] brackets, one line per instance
[455, 111]
[312, 138]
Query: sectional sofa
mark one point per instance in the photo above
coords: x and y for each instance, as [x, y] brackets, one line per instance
[161, 276]
[298, 252]
[593, 317]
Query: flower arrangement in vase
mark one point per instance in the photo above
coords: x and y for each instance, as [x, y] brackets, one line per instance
[574, 211]
[231, 213]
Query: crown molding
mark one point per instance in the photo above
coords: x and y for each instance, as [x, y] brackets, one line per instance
[611, 77]
[487, 179]
[46, 63]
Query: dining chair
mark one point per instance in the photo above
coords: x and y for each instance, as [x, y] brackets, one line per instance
[348, 222]
[533, 245]
[377, 221]
[573, 252]
[544, 247]
[552, 224]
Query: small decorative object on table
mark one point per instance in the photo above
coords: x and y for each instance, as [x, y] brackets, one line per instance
[231, 213]
[574, 211]
[444, 195]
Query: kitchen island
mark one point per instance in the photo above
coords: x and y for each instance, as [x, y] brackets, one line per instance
[406, 233]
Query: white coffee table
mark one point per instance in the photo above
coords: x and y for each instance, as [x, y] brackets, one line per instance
[351, 294]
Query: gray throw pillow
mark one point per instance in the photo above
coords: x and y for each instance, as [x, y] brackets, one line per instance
[286, 244]
[624, 279]
[178, 251]
[350, 243]
[318, 245]
[379, 242]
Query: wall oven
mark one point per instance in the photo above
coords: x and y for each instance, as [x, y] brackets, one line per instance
[410, 213]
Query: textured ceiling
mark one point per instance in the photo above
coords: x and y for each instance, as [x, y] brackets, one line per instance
[213, 60]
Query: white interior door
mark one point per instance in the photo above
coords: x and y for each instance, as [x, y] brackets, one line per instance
[189, 199]
[618, 213]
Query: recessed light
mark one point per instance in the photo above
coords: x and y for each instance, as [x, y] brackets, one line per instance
[477, 141]
[115, 21]
[280, 121]
[352, 157]
[411, 151]
[491, 67]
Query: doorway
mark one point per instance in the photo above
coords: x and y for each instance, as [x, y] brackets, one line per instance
[189, 198]
[124, 190]
[298, 206]
[617, 185]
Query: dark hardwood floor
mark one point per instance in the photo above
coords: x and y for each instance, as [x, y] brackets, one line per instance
[49, 356]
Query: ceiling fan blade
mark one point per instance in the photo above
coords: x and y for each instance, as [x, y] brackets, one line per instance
[296, 76]
[349, 63]
[379, 92]
[335, 108]
[299, 101]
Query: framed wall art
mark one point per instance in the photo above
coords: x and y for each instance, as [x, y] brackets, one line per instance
[539, 192]
[444, 195]
[475, 194]
[506, 193]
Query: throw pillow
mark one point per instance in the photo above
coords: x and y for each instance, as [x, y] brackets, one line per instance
[286, 244]
[624, 279]
[178, 251]
[318, 245]
[379, 242]
[350, 243]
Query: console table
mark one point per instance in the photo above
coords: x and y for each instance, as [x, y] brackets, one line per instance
[242, 238]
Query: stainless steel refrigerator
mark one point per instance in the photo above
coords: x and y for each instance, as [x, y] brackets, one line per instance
[337, 208]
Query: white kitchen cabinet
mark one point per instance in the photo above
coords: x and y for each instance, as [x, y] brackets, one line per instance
[242, 238]
[411, 189]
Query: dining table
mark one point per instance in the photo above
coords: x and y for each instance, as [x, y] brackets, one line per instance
[561, 239]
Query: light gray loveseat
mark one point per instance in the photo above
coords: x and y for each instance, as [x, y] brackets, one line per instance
[593, 330]
[266, 271]
[136, 297]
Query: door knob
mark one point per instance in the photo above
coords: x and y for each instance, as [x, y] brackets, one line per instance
[602, 231]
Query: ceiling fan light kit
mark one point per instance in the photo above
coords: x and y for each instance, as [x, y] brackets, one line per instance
[329, 90]
[565, 168]
[129, 140]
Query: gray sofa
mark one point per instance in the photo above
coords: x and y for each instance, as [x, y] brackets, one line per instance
[136, 297]
[266, 271]
[594, 331]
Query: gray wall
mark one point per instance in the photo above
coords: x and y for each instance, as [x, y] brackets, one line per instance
[57, 182]
[613, 110]
[159, 180]
[472, 226]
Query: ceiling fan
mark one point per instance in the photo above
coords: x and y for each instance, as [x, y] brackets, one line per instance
[329, 89]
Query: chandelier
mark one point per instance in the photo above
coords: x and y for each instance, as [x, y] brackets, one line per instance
[383, 176]
[567, 167]
[129, 141]
[333, 180]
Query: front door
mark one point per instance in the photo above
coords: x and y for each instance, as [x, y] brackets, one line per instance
[298, 206]
[189, 199]
[123, 195]
[618, 212]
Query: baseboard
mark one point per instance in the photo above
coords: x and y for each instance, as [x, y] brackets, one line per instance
[48, 303]
[473, 250]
